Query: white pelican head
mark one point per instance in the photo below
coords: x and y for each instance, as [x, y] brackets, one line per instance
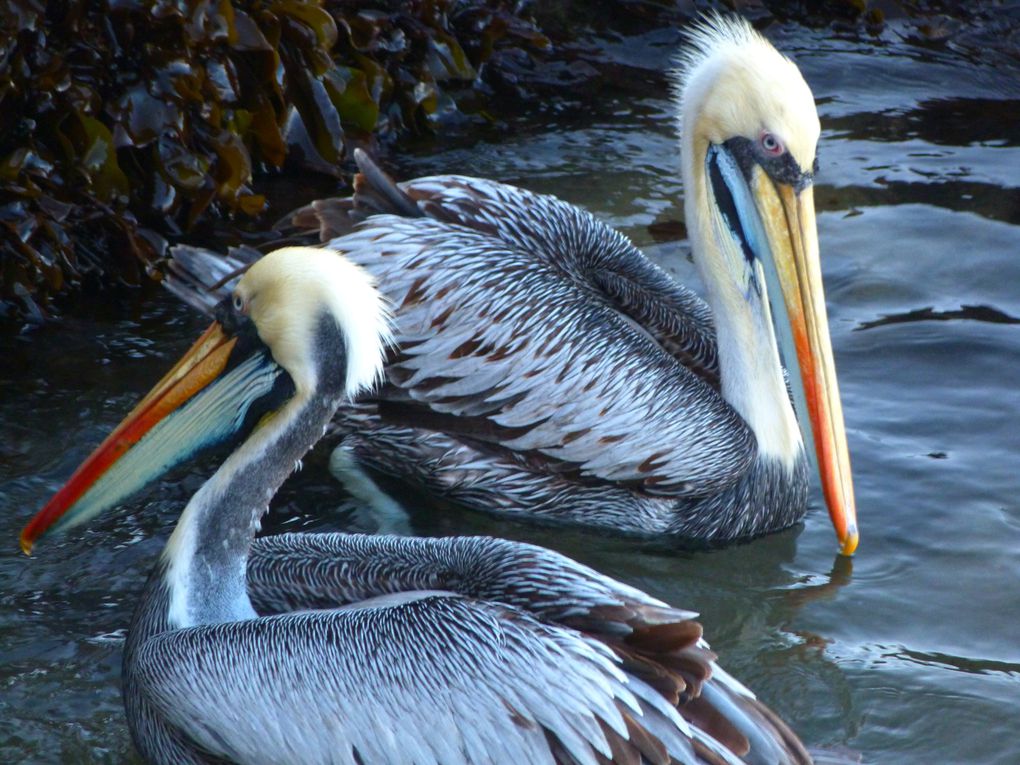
[301, 322]
[288, 291]
[749, 135]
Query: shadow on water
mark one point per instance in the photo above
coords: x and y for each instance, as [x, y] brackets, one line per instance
[985, 199]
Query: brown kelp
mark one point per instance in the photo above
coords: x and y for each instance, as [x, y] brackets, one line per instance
[127, 121]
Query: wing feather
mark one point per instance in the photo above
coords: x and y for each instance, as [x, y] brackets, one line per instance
[528, 325]
[439, 679]
[660, 665]
[289, 572]
[486, 330]
[522, 655]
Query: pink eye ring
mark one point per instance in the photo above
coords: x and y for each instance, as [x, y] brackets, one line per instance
[770, 144]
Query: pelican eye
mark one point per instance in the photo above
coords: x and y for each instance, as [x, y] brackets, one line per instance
[770, 144]
[238, 303]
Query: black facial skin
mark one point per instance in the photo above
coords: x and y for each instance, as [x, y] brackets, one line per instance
[237, 324]
[233, 321]
[782, 169]
[747, 153]
[728, 208]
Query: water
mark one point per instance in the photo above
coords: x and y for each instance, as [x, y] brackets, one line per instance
[909, 655]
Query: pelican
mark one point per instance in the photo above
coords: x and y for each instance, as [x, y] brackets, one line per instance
[342, 648]
[546, 369]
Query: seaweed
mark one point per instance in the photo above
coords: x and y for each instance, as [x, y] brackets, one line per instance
[128, 123]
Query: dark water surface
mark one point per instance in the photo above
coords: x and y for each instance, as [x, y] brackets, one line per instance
[909, 655]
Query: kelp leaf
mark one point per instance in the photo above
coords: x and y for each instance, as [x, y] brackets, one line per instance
[182, 168]
[99, 159]
[348, 90]
[321, 118]
[233, 168]
[142, 118]
[266, 131]
[313, 17]
[251, 204]
[448, 53]
[248, 36]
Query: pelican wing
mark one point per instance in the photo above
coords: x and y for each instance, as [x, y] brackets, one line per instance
[525, 323]
[527, 326]
[289, 572]
[500, 347]
[652, 642]
[599, 258]
[431, 678]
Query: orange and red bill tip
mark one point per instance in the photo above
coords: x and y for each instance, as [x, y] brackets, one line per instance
[830, 446]
[788, 215]
[850, 540]
[199, 366]
[810, 328]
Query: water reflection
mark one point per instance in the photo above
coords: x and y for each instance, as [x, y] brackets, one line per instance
[958, 121]
[961, 663]
[969, 312]
[985, 199]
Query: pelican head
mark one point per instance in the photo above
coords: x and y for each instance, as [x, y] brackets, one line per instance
[287, 293]
[749, 133]
[302, 322]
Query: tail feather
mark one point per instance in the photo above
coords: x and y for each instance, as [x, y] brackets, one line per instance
[202, 278]
[769, 739]
[376, 192]
[324, 219]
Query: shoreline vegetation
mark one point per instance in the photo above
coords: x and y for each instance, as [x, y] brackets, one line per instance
[130, 125]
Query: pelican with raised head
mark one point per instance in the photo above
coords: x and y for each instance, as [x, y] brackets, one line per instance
[337, 648]
[545, 368]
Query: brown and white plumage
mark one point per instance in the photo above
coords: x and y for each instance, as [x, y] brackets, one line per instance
[545, 368]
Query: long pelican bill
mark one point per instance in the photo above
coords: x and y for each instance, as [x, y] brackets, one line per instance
[201, 402]
[788, 216]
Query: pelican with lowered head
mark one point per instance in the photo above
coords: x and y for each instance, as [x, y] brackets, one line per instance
[544, 368]
[338, 648]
